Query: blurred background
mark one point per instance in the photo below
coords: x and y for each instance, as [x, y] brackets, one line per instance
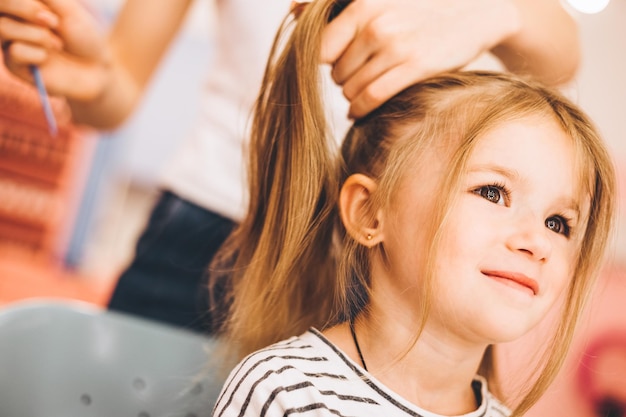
[71, 208]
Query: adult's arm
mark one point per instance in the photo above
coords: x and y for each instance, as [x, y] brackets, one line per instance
[546, 45]
[378, 47]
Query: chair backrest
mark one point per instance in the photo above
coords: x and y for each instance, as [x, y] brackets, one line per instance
[70, 359]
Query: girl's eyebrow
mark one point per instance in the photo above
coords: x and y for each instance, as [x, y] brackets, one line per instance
[569, 203]
[511, 174]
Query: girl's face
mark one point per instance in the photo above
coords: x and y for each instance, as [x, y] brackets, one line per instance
[511, 240]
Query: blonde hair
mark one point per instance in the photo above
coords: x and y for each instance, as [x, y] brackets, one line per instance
[291, 263]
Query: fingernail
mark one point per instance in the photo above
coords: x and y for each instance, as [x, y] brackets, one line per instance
[48, 18]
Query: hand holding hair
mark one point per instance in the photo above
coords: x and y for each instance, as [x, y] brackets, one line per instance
[377, 48]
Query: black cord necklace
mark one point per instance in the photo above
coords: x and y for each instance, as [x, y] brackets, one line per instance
[356, 344]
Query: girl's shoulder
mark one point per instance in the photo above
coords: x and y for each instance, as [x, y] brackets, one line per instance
[287, 374]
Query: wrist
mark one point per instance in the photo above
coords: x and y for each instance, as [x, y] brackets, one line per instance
[111, 102]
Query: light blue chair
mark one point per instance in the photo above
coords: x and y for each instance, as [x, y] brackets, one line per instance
[71, 359]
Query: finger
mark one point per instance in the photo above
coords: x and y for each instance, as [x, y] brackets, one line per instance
[365, 76]
[30, 11]
[19, 54]
[372, 40]
[383, 88]
[342, 30]
[382, 61]
[62, 7]
[79, 29]
[353, 59]
[19, 57]
[17, 31]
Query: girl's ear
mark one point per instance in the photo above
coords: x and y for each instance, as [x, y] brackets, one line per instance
[355, 206]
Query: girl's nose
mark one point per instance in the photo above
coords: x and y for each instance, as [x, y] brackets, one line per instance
[530, 236]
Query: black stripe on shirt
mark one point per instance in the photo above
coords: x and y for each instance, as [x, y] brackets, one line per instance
[278, 346]
[307, 384]
[253, 367]
[311, 407]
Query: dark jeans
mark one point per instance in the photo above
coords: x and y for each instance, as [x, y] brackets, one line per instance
[167, 278]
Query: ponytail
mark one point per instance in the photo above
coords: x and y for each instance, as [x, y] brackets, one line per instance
[283, 277]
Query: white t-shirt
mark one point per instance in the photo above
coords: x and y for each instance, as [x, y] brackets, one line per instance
[208, 168]
[309, 376]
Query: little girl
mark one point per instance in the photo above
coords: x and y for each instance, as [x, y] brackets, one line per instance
[453, 219]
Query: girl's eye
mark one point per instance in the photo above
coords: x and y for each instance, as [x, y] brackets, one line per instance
[491, 193]
[558, 225]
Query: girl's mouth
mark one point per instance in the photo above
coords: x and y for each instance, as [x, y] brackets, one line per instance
[514, 279]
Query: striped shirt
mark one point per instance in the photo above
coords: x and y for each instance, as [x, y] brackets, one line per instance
[309, 376]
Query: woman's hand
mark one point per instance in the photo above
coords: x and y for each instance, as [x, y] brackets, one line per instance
[379, 47]
[62, 38]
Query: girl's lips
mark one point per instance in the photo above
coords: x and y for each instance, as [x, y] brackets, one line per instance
[515, 277]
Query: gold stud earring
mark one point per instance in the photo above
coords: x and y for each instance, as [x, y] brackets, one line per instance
[369, 236]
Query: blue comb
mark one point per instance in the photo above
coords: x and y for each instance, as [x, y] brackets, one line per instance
[45, 102]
